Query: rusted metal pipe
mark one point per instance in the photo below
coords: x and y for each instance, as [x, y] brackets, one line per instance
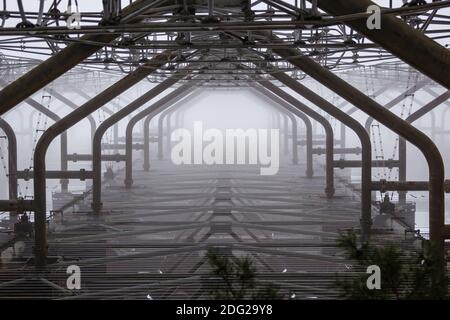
[156, 107]
[352, 111]
[147, 128]
[65, 123]
[287, 107]
[329, 175]
[63, 146]
[402, 142]
[366, 155]
[12, 158]
[391, 121]
[107, 110]
[74, 106]
[161, 133]
[116, 117]
[428, 56]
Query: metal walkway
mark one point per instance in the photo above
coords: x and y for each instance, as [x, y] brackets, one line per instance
[150, 241]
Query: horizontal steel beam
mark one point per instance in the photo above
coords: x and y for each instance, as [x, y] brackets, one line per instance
[390, 163]
[397, 37]
[316, 142]
[16, 205]
[81, 175]
[88, 157]
[384, 185]
[58, 64]
[356, 150]
[121, 146]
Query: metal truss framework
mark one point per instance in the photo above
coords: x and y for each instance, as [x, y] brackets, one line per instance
[266, 46]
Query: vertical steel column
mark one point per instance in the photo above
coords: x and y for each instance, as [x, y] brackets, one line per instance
[329, 174]
[178, 119]
[154, 108]
[288, 110]
[393, 122]
[168, 128]
[65, 123]
[161, 133]
[444, 113]
[147, 142]
[308, 125]
[366, 149]
[433, 125]
[402, 142]
[116, 117]
[107, 110]
[294, 133]
[72, 105]
[343, 138]
[428, 56]
[12, 158]
[63, 148]
[147, 130]
[286, 133]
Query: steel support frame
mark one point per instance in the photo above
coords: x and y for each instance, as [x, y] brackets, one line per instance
[161, 133]
[428, 56]
[402, 142]
[61, 62]
[285, 133]
[161, 104]
[287, 115]
[329, 174]
[366, 153]
[64, 124]
[12, 158]
[147, 121]
[107, 110]
[447, 103]
[63, 143]
[116, 117]
[63, 139]
[288, 107]
[391, 121]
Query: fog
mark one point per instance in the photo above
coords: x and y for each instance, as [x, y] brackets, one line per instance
[222, 109]
[218, 108]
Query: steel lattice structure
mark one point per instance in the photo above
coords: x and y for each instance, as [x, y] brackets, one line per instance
[322, 50]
